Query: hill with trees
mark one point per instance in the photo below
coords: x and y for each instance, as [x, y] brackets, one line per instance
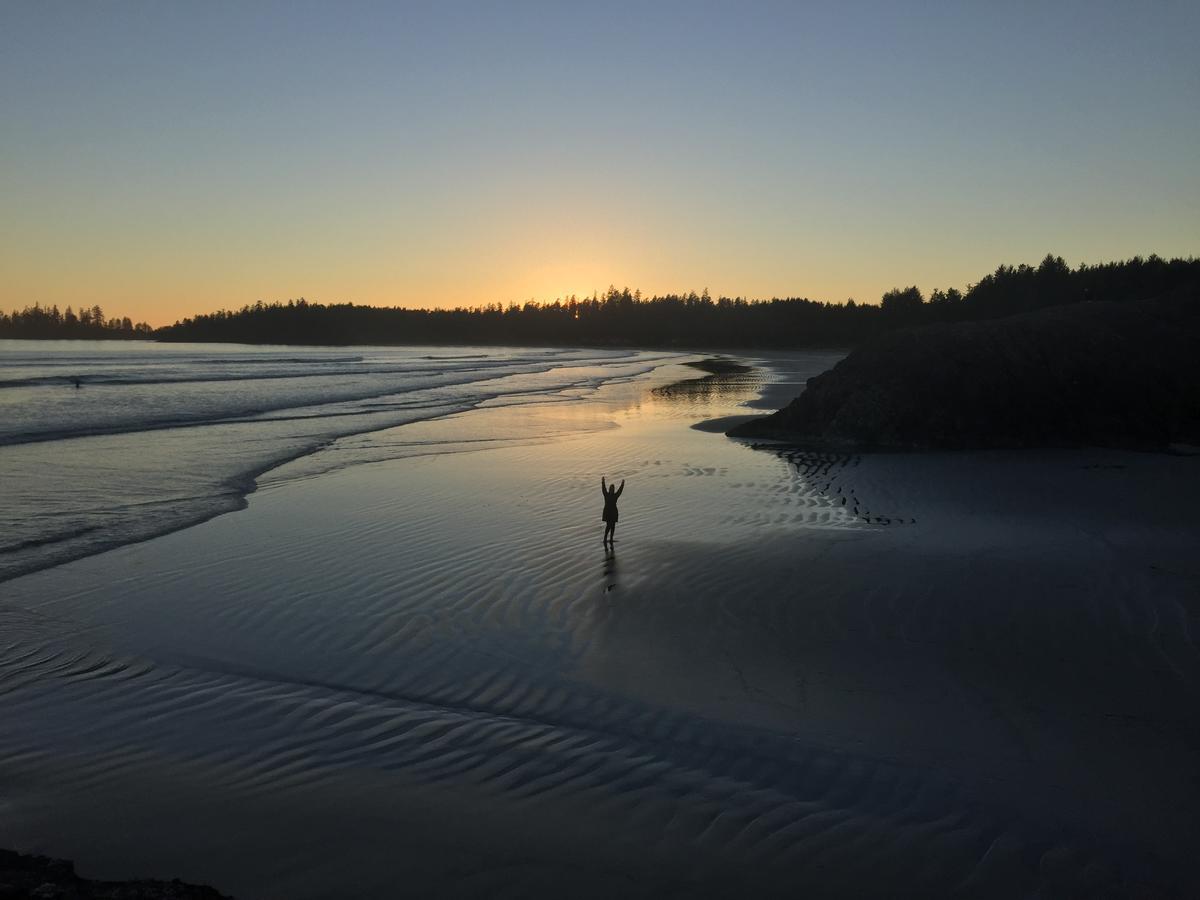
[1099, 374]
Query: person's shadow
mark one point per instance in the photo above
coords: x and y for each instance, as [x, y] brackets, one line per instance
[610, 568]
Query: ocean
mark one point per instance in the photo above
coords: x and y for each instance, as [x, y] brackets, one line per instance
[158, 437]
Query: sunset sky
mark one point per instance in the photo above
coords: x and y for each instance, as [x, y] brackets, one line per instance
[165, 158]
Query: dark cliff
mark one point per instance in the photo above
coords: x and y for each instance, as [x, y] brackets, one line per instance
[1104, 374]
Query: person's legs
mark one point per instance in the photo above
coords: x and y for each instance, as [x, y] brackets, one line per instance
[609, 527]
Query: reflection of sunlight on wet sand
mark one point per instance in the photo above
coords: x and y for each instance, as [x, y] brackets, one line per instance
[673, 391]
[728, 388]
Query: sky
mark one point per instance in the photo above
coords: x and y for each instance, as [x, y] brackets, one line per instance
[166, 158]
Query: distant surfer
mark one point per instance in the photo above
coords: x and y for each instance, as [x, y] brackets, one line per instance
[77, 381]
[611, 492]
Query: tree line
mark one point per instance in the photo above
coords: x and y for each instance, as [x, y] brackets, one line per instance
[626, 318]
[1017, 289]
[48, 323]
[620, 317]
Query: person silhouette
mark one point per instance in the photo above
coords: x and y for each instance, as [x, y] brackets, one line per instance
[611, 492]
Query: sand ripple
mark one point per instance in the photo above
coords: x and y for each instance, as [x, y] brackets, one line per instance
[797, 673]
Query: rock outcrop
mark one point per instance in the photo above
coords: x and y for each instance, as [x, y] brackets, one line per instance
[23, 876]
[1101, 374]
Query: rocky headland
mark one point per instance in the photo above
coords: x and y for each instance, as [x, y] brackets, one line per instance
[41, 877]
[1084, 374]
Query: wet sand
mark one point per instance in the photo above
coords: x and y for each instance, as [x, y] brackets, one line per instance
[797, 674]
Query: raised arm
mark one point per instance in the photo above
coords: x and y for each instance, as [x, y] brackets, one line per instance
[603, 488]
[621, 488]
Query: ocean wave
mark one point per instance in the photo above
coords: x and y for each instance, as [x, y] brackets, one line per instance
[203, 376]
[163, 459]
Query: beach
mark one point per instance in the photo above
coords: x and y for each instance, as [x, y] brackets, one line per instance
[409, 666]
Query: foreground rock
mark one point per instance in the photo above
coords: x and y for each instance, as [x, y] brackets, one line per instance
[1103, 374]
[43, 878]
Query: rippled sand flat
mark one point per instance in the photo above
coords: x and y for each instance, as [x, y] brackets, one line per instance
[410, 668]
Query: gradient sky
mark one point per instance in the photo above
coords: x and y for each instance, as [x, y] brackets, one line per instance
[163, 158]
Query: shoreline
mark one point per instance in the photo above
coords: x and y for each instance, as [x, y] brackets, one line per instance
[688, 350]
[941, 684]
[230, 492]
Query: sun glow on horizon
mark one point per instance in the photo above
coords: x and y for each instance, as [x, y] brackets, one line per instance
[424, 163]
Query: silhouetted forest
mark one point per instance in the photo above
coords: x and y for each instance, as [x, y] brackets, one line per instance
[626, 318]
[622, 317]
[47, 323]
